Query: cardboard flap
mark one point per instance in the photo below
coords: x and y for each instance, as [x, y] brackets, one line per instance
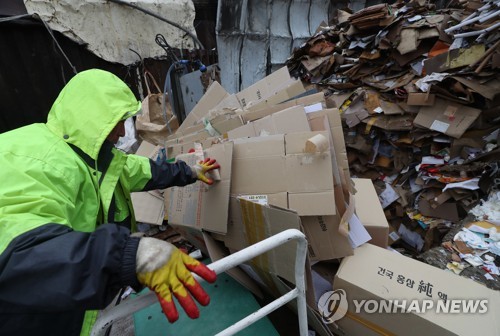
[193, 205]
[261, 222]
[215, 93]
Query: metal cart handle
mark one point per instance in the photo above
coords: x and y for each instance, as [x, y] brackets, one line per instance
[131, 306]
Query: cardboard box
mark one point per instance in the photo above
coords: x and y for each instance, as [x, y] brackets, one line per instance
[287, 169]
[198, 205]
[446, 117]
[373, 273]
[305, 178]
[324, 237]
[370, 212]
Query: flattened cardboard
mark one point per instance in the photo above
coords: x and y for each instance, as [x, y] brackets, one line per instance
[235, 238]
[148, 207]
[261, 222]
[370, 212]
[294, 89]
[379, 274]
[333, 124]
[260, 154]
[226, 125]
[148, 150]
[420, 99]
[214, 95]
[266, 87]
[489, 90]
[447, 117]
[390, 108]
[455, 58]
[302, 101]
[311, 204]
[183, 148]
[408, 42]
[292, 119]
[330, 121]
[390, 123]
[306, 172]
[448, 211]
[193, 205]
[245, 131]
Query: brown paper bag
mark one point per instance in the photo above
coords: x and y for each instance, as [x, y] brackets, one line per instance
[156, 122]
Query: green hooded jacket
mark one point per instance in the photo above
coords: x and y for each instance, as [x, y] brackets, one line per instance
[62, 182]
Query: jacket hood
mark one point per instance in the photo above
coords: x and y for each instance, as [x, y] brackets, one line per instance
[89, 107]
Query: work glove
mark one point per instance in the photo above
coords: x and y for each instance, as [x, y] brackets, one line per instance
[202, 167]
[166, 270]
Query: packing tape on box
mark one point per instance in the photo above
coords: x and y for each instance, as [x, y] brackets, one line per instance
[318, 143]
[209, 128]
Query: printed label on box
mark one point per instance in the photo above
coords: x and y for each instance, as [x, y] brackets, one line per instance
[260, 199]
[439, 126]
[394, 236]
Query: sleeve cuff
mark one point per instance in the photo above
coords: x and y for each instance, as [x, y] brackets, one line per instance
[128, 271]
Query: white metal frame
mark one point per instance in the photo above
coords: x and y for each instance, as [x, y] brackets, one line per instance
[132, 305]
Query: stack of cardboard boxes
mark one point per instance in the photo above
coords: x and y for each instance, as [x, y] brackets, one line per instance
[284, 165]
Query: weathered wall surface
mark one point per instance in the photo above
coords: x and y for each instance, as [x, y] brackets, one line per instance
[110, 29]
[254, 38]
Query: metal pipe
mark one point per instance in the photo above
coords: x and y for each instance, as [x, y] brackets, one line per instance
[247, 321]
[487, 17]
[131, 306]
[478, 32]
[476, 18]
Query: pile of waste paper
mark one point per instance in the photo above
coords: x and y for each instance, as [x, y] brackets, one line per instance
[418, 88]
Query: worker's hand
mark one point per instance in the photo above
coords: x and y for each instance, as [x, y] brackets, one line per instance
[166, 271]
[202, 167]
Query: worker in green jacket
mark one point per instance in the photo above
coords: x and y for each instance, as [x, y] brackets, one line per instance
[66, 216]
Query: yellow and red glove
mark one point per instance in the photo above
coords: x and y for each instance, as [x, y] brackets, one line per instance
[166, 271]
[203, 167]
